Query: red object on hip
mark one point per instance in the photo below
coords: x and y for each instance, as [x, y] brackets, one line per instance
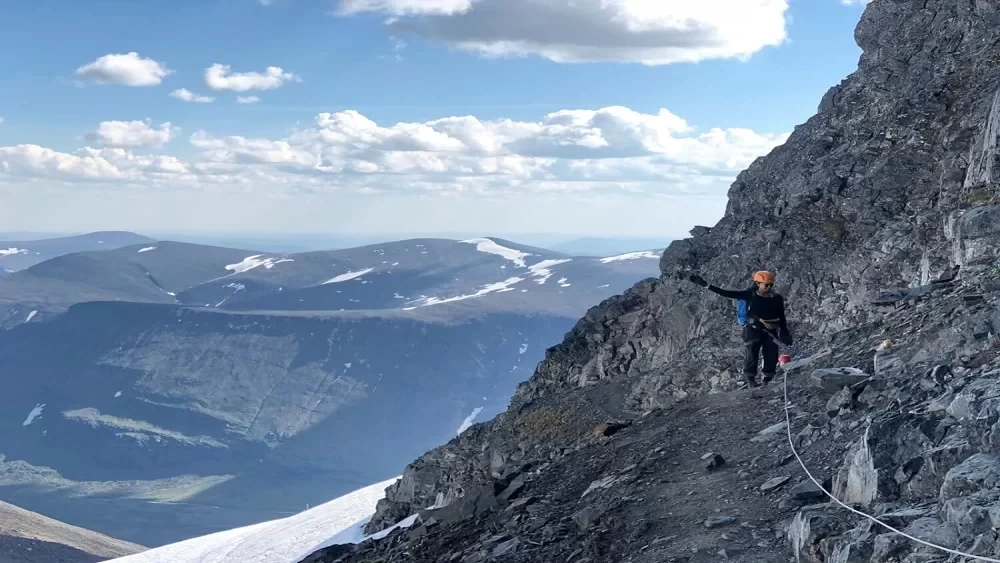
[784, 359]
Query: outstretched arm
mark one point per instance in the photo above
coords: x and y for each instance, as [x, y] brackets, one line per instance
[731, 294]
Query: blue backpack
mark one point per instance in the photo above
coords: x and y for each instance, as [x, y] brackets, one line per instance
[742, 311]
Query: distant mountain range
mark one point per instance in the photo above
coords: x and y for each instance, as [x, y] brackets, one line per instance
[158, 390]
[277, 243]
[20, 254]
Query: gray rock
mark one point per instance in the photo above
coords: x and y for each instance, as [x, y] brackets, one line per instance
[475, 503]
[506, 548]
[806, 491]
[588, 517]
[978, 472]
[833, 380]
[981, 222]
[718, 521]
[519, 503]
[774, 432]
[717, 462]
[810, 527]
[857, 480]
[512, 490]
[774, 483]
[841, 399]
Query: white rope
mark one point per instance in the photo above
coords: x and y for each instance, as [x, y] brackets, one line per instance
[791, 444]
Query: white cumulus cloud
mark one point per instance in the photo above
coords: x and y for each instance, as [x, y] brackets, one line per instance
[189, 96]
[606, 152]
[127, 69]
[221, 77]
[247, 99]
[132, 134]
[88, 164]
[565, 150]
[644, 31]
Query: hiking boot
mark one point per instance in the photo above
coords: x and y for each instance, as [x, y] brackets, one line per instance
[751, 379]
[767, 378]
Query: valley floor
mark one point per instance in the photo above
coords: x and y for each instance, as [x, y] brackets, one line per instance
[645, 494]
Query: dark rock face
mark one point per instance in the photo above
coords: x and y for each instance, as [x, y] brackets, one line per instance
[892, 184]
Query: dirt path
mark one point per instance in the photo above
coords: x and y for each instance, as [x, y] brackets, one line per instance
[688, 494]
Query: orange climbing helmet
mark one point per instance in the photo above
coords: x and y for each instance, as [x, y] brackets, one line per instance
[763, 276]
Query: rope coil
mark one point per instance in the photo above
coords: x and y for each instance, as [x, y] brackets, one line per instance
[791, 444]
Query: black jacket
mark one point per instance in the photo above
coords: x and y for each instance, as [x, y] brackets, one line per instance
[767, 308]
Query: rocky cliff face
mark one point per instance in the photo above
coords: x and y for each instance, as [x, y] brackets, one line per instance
[892, 184]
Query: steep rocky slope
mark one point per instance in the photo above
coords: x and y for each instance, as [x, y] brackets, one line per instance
[26, 537]
[891, 185]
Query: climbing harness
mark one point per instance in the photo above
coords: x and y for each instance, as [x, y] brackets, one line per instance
[791, 444]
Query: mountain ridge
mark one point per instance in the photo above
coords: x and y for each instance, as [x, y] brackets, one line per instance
[889, 186]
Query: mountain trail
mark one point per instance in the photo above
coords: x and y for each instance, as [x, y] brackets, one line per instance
[646, 493]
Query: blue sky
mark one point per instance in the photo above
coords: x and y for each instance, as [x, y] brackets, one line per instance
[369, 65]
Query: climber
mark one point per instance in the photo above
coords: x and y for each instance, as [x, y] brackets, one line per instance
[765, 319]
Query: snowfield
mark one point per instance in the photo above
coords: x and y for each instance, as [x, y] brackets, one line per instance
[543, 271]
[287, 540]
[255, 261]
[486, 289]
[348, 276]
[631, 256]
[490, 247]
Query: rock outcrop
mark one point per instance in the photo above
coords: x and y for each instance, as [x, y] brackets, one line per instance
[881, 217]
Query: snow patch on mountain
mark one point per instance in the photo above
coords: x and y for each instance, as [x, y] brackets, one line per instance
[138, 429]
[11, 251]
[147, 249]
[469, 420]
[631, 256]
[348, 276]
[490, 247]
[497, 287]
[287, 540]
[31, 315]
[543, 269]
[255, 261]
[34, 414]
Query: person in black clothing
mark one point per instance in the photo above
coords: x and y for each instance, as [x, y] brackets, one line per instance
[766, 321]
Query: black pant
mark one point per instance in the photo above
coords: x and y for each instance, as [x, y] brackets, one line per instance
[757, 341]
